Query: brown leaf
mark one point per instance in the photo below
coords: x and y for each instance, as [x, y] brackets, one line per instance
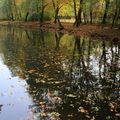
[31, 71]
[46, 65]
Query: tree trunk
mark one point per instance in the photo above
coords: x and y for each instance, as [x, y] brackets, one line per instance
[58, 37]
[75, 11]
[115, 15]
[12, 17]
[107, 2]
[42, 15]
[42, 11]
[56, 15]
[91, 13]
[79, 15]
[84, 16]
[26, 16]
[117, 12]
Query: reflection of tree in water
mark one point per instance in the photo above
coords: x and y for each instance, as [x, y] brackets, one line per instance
[1, 108]
[40, 66]
[95, 92]
[34, 36]
[58, 37]
[87, 87]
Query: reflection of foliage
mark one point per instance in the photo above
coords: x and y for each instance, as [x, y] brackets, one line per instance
[78, 81]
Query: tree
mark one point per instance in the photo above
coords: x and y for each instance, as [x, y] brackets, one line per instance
[43, 6]
[107, 2]
[7, 9]
[117, 12]
[78, 14]
[57, 5]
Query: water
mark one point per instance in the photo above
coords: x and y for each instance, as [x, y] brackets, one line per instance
[54, 76]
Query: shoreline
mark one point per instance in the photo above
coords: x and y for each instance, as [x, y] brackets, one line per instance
[104, 32]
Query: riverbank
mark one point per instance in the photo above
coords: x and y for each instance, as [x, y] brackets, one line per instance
[94, 31]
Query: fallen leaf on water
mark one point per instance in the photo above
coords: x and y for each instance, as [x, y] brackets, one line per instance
[43, 81]
[41, 103]
[117, 114]
[46, 65]
[31, 71]
[71, 95]
[112, 106]
[45, 75]
[82, 110]
[93, 118]
[87, 116]
[70, 115]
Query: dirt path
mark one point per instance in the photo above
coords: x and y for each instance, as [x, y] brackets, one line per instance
[95, 31]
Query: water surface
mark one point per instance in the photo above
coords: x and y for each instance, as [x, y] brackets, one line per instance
[55, 76]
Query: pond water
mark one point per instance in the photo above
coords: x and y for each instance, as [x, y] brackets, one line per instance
[55, 76]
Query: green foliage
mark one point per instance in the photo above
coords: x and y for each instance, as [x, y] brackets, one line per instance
[33, 16]
[37, 16]
[92, 11]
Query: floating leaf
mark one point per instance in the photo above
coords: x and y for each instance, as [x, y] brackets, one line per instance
[71, 95]
[41, 103]
[31, 71]
[82, 110]
[117, 114]
[93, 118]
[46, 65]
[87, 116]
[43, 81]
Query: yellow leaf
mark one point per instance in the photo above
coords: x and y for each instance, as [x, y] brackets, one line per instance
[82, 110]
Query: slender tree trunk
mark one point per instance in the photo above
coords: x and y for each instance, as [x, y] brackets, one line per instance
[79, 16]
[42, 15]
[12, 16]
[42, 11]
[107, 2]
[80, 12]
[56, 14]
[84, 15]
[79, 20]
[19, 14]
[58, 37]
[91, 19]
[26, 16]
[116, 15]
[56, 11]
[75, 11]
[91, 13]
[15, 10]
